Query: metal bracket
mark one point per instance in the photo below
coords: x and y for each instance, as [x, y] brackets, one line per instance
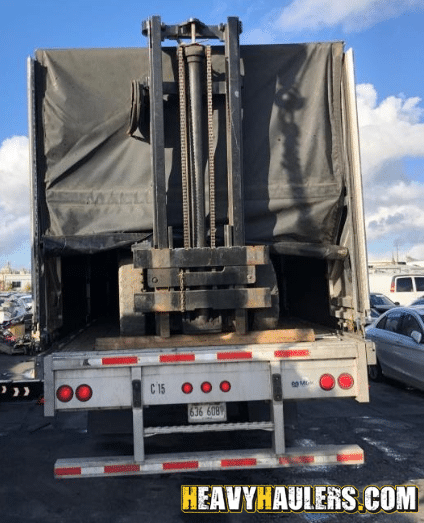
[277, 388]
[185, 30]
[229, 275]
[170, 301]
[136, 386]
[199, 257]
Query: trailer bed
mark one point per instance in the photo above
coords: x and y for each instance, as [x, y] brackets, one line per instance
[104, 335]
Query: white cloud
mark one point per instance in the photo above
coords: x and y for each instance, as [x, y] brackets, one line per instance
[14, 198]
[390, 131]
[259, 36]
[354, 15]
[417, 252]
[396, 219]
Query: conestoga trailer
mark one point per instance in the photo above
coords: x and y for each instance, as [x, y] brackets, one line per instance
[199, 257]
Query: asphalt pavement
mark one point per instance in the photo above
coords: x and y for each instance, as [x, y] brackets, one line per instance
[390, 430]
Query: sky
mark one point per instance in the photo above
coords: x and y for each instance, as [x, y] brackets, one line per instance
[387, 39]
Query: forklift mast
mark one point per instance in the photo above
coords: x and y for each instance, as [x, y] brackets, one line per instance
[200, 286]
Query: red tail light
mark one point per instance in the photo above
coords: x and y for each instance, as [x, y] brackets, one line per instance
[206, 386]
[64, 393]
[345, 381]
[187, 387]
[225, 386]
[392, 286]
[84, 392]
[327, 382]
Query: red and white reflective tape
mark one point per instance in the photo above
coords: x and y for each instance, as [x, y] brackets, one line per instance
[180, 465]
[156, 466]
[166, 466]
[239, 462]
[201, 357]
[234, 355]
[296, 460]
[292, 353]
[351, 458]
[175, 358]
[62, 472]
[120, 360]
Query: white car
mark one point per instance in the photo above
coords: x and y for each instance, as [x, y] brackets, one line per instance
[399, 341]
[26, 301]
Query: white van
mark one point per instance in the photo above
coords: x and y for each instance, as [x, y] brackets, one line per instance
[400, 288]
[405, 288]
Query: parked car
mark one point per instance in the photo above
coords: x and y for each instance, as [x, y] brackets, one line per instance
[372, 316]
[379, 303]
[399, 341]
[418, 301]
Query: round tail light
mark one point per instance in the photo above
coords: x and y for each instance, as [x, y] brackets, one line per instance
[206, 386]
[345, 381]
[327, 382]
[64, 393]
[84, 392]
[187, 387]
[225, 386]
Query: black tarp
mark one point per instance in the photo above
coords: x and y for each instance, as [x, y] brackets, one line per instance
[96, 179]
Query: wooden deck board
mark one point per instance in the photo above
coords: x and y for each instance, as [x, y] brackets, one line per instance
[184, 340]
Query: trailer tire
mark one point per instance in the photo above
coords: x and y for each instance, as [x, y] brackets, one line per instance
[374, 372]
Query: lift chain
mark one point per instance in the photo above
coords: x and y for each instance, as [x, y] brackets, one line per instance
[211, 155]
[184, 149]
[182, 291]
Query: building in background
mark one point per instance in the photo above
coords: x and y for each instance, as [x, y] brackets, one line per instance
[15, 280]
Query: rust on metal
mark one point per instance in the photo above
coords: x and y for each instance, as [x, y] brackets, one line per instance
[169, 301]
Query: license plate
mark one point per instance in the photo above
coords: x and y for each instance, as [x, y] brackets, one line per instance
[204, 412]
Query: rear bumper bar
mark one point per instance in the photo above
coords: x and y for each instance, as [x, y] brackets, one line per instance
[234, 460]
